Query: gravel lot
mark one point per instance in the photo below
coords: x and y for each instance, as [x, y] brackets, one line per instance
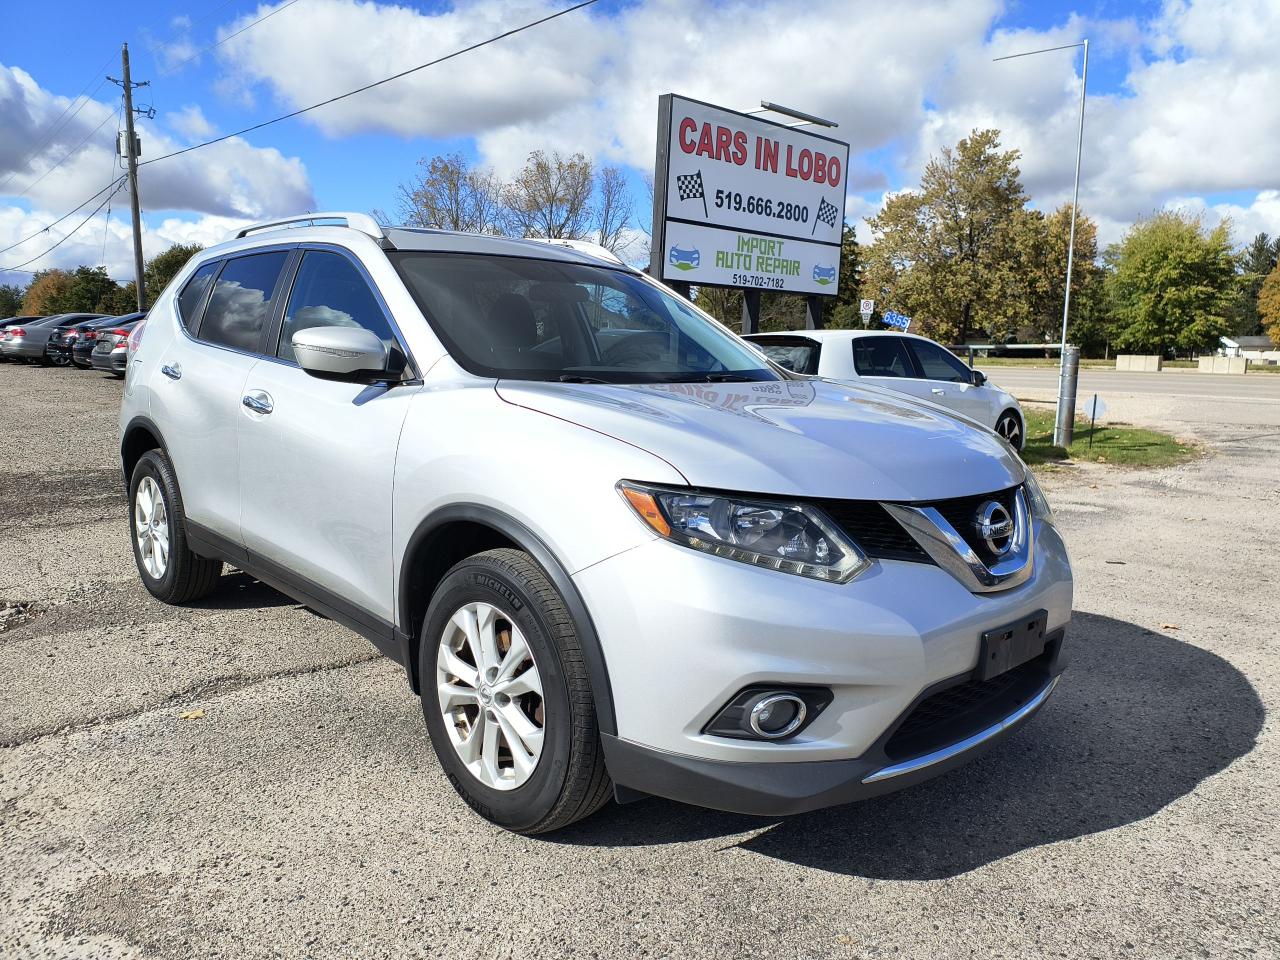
[303, 815]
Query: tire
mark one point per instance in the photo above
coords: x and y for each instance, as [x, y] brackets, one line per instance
[1010, 427]
[567, 780]
[183, 576]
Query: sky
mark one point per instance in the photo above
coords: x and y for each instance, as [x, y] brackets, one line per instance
[1181, 109]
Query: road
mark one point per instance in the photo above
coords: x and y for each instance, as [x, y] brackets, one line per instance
[1020, 381]
[297, 810]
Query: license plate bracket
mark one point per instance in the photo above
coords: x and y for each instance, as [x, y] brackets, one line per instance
[1012, 645]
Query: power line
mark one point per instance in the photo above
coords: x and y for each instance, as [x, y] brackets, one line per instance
[69, 234]
[65, 216]
[377, 83]
[70, 153]
[49, 134]
[217, 43]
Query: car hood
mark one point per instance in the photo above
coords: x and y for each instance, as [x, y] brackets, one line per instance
[809, 438]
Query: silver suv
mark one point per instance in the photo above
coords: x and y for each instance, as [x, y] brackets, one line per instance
[617, 551]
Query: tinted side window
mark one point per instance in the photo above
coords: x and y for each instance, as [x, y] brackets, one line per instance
[241, 301]
[881, 357]
[193, 293]
[330, 292]
[939, 364]
[798, 356]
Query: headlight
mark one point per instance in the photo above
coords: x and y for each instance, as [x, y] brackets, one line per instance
[1040, 508]
[788, 537]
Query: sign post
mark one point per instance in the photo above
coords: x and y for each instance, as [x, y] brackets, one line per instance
[739, 201]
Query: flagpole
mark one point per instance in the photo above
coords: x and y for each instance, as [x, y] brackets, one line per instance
[702, 192]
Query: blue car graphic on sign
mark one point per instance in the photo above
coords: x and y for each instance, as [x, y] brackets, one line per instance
[684, 259]
[824, 275]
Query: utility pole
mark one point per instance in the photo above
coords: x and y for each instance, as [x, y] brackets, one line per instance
[1068, 371]
[131, 157]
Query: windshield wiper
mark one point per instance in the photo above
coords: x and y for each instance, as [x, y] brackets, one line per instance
[579, 378]
[729, 378]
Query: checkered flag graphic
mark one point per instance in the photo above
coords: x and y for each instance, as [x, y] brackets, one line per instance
[828, 213]
[690, 187]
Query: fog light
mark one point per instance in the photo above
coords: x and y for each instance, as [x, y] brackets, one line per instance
[777, 715]
[767, 712]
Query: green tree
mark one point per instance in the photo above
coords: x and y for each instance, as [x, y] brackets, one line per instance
[162, 268]
[91, 291]
[1269, 305]
[10, 299]
[842, 309]
[1171, 285]
[946, 254]
[1257, 261]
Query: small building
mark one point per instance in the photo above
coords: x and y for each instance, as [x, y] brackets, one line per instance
[1256, 349]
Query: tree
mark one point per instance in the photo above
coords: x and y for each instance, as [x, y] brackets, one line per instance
[613, 210]
[1171, 285]
[1257, 261]
[163, 267]
[945, 254]
[1042, 241]
[551, 197]
[842, 310]
[1269, 305]
[46, 290]
[10, 300]
[452, 195]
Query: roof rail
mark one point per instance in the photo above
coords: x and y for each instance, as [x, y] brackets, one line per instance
[582, 246]
[356, 221]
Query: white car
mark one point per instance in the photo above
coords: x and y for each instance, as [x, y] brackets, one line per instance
[898, 361]
[616, 551]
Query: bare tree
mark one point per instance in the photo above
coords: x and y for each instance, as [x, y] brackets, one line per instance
[452, 195]
[551, 197]
[613, 210]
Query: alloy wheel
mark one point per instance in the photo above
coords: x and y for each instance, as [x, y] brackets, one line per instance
[1011, 430]
[490, 694]
[151, 527]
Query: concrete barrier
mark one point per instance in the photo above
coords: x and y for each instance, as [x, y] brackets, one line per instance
[1138, 363]
[1224, 365]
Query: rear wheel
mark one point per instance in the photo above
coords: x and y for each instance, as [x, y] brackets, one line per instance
[1009, 426]
[168, 567]
[506, 696]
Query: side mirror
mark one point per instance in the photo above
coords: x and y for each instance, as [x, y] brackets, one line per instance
[339, 353]
[979, 378]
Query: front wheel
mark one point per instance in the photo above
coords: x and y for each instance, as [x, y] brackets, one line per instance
[1009, 426]
[506, 696]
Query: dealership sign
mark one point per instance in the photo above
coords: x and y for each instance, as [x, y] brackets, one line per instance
[745, 202]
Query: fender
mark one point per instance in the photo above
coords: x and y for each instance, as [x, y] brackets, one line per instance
[529, 542]
[143, 421]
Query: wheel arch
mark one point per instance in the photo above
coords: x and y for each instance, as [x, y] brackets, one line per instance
[139, 436]
[453, 533]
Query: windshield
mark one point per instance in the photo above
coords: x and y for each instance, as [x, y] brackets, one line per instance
[527, 319]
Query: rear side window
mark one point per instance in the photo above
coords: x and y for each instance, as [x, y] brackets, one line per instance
[939, 364]
[193, 293]
[881, 357]
[798, 356]
[241, 301]
[330, 292]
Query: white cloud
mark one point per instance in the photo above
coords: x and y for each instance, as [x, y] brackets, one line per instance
[191, 122]
[233, 178]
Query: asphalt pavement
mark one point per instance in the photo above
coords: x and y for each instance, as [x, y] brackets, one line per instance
[243, 779]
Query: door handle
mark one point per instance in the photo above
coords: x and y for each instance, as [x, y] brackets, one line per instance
[258, 402]
[173, 372]
[939, 391]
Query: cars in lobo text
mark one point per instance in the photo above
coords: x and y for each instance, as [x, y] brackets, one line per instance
[903, 362]
[615, 550]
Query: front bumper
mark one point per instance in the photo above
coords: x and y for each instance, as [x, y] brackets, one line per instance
[682, 632]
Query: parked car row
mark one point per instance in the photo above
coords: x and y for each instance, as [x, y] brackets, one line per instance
[86, 340]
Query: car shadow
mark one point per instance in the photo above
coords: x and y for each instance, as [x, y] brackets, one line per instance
[236, 590]
[1138, 721]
